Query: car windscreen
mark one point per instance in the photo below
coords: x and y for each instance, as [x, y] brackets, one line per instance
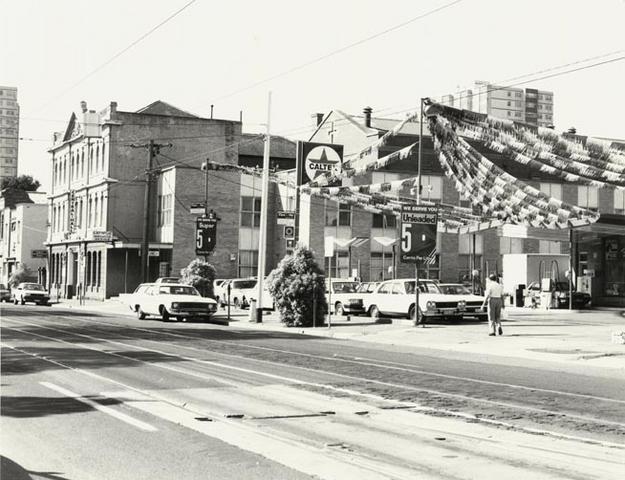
[34, 286]
[177, 290]
[344, 287]
[244, 284]
[455, 289]
[562, 286]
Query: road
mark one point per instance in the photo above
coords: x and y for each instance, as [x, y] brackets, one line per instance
[94, 396]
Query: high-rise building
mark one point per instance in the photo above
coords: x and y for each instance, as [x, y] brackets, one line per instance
[9, 131]
[527, 105]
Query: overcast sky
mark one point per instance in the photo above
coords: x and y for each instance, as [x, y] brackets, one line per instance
[215, 48]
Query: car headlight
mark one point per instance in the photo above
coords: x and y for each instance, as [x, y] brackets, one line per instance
[175, 306]
[562, 295]
[430, 305]
[462, 304]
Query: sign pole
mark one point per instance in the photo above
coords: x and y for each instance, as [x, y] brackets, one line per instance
[416, 293]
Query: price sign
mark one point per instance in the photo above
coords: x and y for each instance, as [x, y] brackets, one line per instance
[205, 236]
[418, 232]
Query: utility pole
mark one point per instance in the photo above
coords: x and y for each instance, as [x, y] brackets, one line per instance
[262, 248]
[206, 188]
[153, 149]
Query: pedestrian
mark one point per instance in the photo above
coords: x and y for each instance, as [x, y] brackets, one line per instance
[494, 296]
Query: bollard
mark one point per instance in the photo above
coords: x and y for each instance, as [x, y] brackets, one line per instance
[253, 313]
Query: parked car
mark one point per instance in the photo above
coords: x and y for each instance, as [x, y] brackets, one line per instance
[5, 293]
[220, 290]
[31, 292]
[559, 295]
[167, 280]
[473, 303]
[242, 290]
[397, 298]
[170, 300]
[344, 297]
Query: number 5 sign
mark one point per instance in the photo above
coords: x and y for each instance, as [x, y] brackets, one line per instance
[418, 232]
[205, 236]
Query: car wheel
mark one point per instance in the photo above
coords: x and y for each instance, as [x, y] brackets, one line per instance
[140, 313]
[411, 315]
[165, 314]
[338, 309]
[374, 312]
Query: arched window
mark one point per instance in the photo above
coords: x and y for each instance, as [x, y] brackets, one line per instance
[82, 163]
[102, 210]
[96, 211]
[103, 155]
[90, 213]
[88, 269]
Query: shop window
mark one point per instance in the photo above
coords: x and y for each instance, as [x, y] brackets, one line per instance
[510, 245]
[553, 190]
[464, 267]
[381, 266]
[548, 246]
[465, 243]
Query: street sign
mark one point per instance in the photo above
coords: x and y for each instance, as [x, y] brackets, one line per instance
[153, 253]
[286, 217]
[418, 232]
[197, 209]
[39, 253]
[205, 235]
[289, 232]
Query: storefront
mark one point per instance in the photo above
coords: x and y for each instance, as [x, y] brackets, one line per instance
[600, 260]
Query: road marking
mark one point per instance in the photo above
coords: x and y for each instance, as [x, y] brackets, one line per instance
[102, 408]
[324, 386]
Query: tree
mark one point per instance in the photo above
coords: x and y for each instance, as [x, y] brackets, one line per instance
[22, 274]
[23, 182]
[201, 275]
[296, 284]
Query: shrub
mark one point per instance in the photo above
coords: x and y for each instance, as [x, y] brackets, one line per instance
[201, 275]
[22, 274]
[293, 283]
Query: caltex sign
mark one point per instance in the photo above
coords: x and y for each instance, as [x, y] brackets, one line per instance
[315, 160]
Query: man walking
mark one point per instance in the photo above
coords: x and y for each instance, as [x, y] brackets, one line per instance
[494, 296]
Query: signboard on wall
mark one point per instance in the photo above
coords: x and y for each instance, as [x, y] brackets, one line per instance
[205, 235]
[39, 253]
[418, 232]
[315, 160]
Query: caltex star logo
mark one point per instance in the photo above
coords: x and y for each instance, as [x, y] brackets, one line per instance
[322, 161]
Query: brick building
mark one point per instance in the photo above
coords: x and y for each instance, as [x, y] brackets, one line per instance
[9, 131]
[96, 205]
[376, 257]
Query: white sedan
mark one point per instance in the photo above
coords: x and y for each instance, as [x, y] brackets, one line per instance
[170, 300]
[473, 302]
[397, 298]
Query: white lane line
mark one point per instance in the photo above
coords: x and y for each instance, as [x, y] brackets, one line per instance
[358, 361]
[102, 408]
[314, 384]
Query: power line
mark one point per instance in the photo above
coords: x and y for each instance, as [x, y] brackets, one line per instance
[118, 54]
[339, 50]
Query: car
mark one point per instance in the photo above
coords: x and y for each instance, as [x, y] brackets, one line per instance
[241, 290]
[344, 299]
[167, 280]
[170, 301]
[5, 293]
[367, 287]
[473, 303]
[220, 290]
[559, 295]
[31, 292]
[396, 298]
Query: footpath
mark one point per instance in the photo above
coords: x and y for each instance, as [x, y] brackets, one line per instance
[581, 339]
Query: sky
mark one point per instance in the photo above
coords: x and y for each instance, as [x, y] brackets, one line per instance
[213, 51]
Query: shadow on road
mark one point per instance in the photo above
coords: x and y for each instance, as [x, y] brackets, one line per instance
[30, 407]
[10, 470]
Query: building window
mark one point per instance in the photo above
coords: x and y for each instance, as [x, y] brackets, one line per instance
[619, 202]
[432, 187]
[381, 266]
[510, 245]
[464, 267]
[517, 114]
[248, 263]
[164, 210]
[587, 196]
[380, 220]
[250, 211]
[509, 102]
[552, 190]
[509, 113]
[344, 214]
[342, 269]
[509, 94]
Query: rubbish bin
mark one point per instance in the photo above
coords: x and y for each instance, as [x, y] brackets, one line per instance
[253, 314]
[518, 295]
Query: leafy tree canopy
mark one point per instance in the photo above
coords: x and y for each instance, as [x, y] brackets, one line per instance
[22, 182]
[201, 275]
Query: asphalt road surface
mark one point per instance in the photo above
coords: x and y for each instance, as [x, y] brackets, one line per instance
[92, 396]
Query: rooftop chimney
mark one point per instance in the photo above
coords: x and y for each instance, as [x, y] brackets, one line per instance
[83, 106]
[113, 107]
[367, 112]
[317, 118]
